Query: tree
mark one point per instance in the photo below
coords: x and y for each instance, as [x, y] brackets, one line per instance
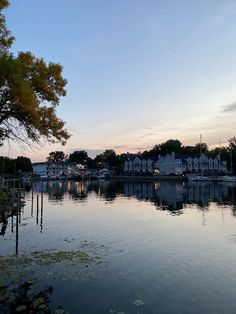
[232, 149]
[30, 91]
[6, 39]
[23, 164]
[79, 156]
[153, 153]
[57, 156]
[109, 157]
[170, 146]
[6, 166]
[106, 159]
[232, 143]
[200, 148]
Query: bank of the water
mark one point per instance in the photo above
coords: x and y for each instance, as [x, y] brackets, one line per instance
[149, 178]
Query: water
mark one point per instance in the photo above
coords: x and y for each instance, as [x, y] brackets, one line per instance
[149, 248]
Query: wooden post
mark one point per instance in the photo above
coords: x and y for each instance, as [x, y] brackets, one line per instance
[37, 216]
[32, 203]
[41, 216]
[17, 221]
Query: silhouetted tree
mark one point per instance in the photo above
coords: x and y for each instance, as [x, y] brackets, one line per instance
[107, 159]
[200, 147]
[232, 152]
[6, 166]
[170, 146]
[57, 156]
[23, 164]
[79, 156]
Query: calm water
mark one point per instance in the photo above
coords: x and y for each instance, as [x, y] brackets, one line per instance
[152, 248]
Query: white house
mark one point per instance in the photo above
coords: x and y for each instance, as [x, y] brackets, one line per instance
[40, 169]
[168, 165]
[204, 163]
[138, 165]
[54, 170]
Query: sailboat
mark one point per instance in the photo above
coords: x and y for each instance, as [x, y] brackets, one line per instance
[227, 178]
[201, 177]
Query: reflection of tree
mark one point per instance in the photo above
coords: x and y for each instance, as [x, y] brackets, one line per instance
[78, 190]
[56, 190]
[171, 196]
[108, 190]
[23, 299]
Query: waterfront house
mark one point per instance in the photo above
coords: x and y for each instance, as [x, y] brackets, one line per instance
[40, 169]
[168, 165]
[177, 165]
[54, 170]
[138, 165]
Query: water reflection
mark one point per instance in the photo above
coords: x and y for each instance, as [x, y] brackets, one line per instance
[126, 244]
[166, 196]
[171, 196]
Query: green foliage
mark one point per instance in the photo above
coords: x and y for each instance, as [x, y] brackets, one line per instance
[57, 156]
[6, 39]
[30, 90]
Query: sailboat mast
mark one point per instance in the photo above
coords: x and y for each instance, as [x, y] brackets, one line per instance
[200, 144]
[201, 153]
[231, 160]
[219, 156]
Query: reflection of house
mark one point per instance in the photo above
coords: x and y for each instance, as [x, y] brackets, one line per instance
[54, 170]
[171, 164]
[172, 195]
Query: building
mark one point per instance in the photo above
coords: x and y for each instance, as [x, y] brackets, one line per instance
[176, 165]
[168, 165]
[55, 170]
[205, 164]
[138, 165]
[40, 169]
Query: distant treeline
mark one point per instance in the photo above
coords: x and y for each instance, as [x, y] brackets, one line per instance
[115, 162]
[15, 166]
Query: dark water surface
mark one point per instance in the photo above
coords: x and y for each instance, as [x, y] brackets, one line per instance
[121, 247]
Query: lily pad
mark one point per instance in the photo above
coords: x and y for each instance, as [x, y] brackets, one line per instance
[138, 303]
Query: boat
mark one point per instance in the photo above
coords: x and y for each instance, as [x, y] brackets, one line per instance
[226, 178]
[199, 178]
[103, 174]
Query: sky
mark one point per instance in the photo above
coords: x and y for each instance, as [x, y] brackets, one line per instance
[139, 71]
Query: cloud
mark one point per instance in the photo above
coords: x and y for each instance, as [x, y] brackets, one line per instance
[230, 107]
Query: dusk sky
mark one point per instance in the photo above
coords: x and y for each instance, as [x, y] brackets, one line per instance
[139, 71]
